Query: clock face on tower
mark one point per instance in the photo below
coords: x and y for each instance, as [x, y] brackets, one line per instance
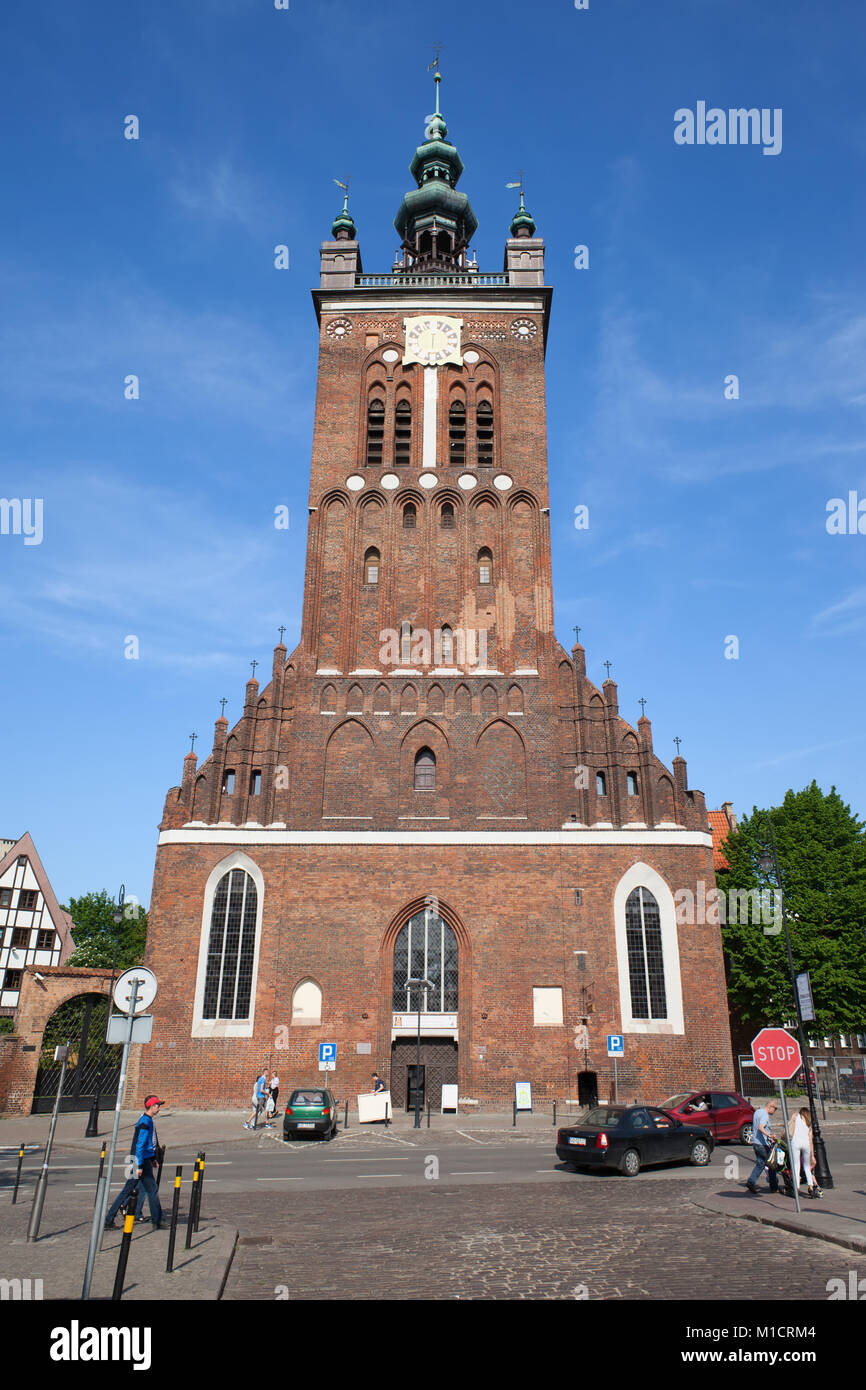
[432, 340]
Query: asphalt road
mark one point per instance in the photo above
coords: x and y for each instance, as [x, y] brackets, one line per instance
[357, 1158]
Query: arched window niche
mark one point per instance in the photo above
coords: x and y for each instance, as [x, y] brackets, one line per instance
[647, 952]
[306, 1005]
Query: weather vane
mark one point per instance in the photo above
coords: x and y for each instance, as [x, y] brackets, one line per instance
[344, 184]
[434, 66]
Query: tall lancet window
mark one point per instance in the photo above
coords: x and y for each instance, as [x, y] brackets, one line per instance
[457, 434]
[484, 434]
[231, 948]
[646, 970]
[403, 434]
[375, 432]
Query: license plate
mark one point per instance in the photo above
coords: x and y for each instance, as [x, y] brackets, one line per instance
[306, 1124]
[573, 1140]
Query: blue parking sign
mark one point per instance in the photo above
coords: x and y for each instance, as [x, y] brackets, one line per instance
[327, 1052]
[615, 1045]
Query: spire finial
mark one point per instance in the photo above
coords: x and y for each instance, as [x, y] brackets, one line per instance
[282, 632]
[343, 228]
[437, 76]
[678, 741]
[522, 224]
[642, 703]
[223, 703]
[607, 666]
[192, 739]
[254, 664]
[577, 634]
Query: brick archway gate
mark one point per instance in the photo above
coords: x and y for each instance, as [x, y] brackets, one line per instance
[92, 1065]
[43, 992]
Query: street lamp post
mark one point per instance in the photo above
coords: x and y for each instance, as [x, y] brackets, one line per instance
[421, 984]
[822, 1167]
[93, 1118]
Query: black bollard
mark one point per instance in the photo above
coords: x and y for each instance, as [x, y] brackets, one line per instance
[346, 1116]
[554, 1114]
[169, 1263]
[99, 1174]
[191, 1214]
[126, 1240]
[428, 1114]
[201, 1159]
[514, 1114]
[18, 1174]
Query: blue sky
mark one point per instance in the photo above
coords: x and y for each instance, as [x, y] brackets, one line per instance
[155, 257]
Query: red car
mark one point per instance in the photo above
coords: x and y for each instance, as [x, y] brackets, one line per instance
[726, 1114]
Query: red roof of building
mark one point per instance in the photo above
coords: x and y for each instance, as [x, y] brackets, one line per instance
[721, 828]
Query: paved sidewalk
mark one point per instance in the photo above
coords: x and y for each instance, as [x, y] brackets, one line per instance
[59, 1257]
[839, 1216]
[194, 1129]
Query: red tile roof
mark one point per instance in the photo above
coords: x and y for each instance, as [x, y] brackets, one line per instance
[721, 828]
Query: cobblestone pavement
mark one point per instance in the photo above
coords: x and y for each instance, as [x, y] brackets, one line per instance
[646, 1240]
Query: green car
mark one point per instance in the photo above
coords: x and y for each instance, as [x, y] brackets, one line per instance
[310, 1110]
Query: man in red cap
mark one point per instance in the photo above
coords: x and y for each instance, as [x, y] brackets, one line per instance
[142, 1159]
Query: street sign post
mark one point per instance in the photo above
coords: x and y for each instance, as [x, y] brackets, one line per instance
[327, 1056]
[130, 1001]
[615, 1049]
[804, 994]
[777, 1055]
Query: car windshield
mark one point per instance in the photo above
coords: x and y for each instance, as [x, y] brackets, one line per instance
[673, 1102]
[308, 1098]
[605, 1117]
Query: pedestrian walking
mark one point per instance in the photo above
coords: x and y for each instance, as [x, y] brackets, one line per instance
[378, 1084]
[271, 1102]
[144, 1147]
[763, 1143]
[802, 1150]
[259, 1096]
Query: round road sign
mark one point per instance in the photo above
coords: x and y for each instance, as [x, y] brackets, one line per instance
[146, 989]
[776, 1053]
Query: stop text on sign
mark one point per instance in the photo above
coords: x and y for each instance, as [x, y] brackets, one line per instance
[780, 1053]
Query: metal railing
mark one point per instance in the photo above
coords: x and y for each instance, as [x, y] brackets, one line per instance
[433, 280]
[840, 1079]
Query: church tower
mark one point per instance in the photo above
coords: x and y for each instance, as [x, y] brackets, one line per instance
[429, 788]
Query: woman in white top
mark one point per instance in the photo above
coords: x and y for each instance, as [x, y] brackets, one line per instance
[802, 1153]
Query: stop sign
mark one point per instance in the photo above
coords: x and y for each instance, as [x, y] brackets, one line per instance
[776, 1053]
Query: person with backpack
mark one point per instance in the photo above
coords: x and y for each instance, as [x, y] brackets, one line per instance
[144, 1147]
[260, 1091]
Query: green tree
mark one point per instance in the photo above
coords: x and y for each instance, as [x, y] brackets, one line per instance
[822, 857]
[95, 931]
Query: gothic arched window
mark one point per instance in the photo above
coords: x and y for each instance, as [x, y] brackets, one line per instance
[447, 646]
[375, 432]
[646, 971]
[403, 433]
[231, 948]
[631, 783]
[306, 1003]
[457, 434]
[425, 771]
[485, 567]
[484, 433]
[371, 566]
[410, 516]
[600, 784]
[446, 516]
[426, 949]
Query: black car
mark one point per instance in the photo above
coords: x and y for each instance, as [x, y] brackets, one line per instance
[631, 1137]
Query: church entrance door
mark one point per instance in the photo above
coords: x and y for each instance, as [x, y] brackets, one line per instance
[438, 1069]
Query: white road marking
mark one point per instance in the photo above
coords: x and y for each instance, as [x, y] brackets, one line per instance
[474, 1173]
[467, 1136]
[378, 1159]
[283, 1179]
[359, 1176]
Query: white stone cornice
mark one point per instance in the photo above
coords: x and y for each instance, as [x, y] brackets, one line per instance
[569, 834]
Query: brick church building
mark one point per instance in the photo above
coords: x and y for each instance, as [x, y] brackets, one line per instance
[429, 788]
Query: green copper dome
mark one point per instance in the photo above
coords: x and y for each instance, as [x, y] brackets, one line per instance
[522, 223]
[434, 221]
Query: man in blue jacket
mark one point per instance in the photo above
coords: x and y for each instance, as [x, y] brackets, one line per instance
[143, 1157]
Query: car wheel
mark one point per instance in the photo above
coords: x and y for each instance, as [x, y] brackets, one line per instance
[700, 1154]
[630, 1163]
[746, 1134]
